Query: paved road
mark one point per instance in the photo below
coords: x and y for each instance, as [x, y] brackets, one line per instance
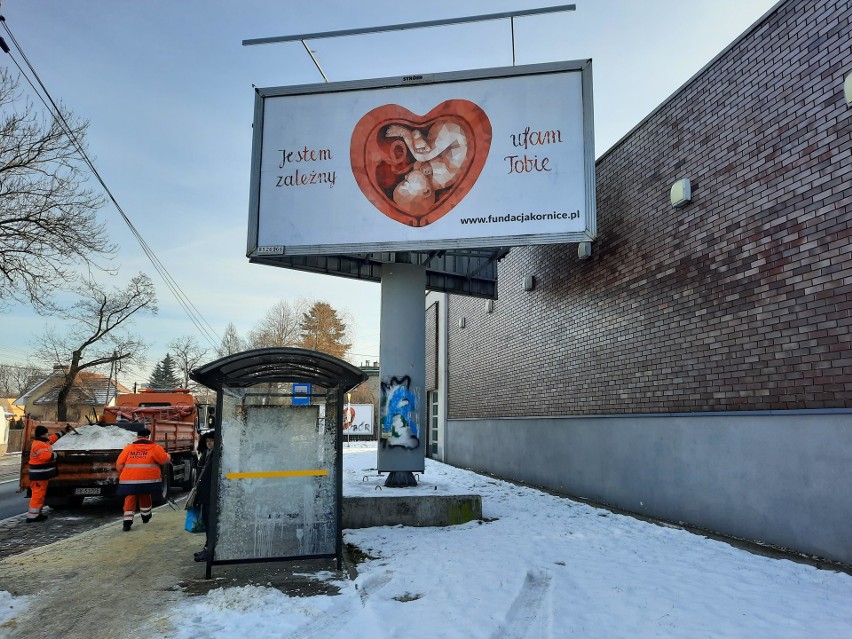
[11, 501]
[17, 536]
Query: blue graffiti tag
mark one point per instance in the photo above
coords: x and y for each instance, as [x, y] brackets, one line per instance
[403, 403]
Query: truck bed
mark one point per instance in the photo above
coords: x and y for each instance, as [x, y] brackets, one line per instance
[85, 472]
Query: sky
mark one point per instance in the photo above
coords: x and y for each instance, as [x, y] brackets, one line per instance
[168, 90]
[538, 567]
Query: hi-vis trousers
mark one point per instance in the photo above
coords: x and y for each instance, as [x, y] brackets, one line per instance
[131, 502]
[39, 491]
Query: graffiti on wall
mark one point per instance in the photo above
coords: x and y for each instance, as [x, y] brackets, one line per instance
[399, 414]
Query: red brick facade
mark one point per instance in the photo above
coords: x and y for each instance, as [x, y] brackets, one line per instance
[741, 300]
[432, 347]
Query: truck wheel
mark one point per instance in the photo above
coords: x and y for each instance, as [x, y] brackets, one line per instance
[163, 495]
[190, 475]
[75, 501]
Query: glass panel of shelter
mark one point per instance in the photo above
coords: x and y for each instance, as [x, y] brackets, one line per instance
[277, 480]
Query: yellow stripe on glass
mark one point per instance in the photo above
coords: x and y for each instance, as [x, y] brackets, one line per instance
[277, 473]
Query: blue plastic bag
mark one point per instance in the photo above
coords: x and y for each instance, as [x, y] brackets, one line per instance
[194, 523]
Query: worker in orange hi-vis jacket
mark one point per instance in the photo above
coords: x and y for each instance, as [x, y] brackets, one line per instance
[140, 476]
[42, 467]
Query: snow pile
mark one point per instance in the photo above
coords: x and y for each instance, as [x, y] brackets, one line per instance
[11, 607]
[94, 437]
[223, 612]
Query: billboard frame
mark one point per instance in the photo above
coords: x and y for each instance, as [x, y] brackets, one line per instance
[268, 254]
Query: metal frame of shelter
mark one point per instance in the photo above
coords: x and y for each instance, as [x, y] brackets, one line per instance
[269, 366]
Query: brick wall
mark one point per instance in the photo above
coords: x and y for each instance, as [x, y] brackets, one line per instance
[741, 300]
[432, 347]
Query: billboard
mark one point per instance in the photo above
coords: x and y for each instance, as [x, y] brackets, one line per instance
[486, 158]
[358, 419]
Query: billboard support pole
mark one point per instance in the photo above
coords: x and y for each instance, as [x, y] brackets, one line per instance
[511, 15]
[402, 371]
[411, 25]
[513, 40]
[316, 62]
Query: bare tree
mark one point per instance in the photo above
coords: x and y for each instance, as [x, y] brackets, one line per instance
[187, 353]
[48, 223]
[16, 380]
[231, 341]
[323, 330]
[97, 335]
[281, 326]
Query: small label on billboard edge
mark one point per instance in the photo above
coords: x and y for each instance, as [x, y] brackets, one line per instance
[417, 78]
[269, 250]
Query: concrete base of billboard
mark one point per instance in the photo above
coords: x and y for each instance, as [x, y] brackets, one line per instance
[415, 510]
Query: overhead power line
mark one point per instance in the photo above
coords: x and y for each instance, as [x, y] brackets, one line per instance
[204, 328]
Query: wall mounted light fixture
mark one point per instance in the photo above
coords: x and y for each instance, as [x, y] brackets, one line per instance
[847, 89]
[584, 250]
[489, 306]
[529, 282]
[681, 193]
[461, 322]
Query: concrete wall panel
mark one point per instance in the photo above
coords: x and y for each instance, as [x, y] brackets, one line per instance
[782, 479]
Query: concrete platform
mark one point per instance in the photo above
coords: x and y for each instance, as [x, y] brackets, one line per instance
[410, 510]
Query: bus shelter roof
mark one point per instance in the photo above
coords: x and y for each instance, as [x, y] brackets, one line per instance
[280, 364]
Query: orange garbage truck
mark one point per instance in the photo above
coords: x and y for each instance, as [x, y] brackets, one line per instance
[86, 455]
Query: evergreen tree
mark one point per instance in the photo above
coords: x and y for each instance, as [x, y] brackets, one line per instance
[156, 374]
[323, 330]
[164, 376]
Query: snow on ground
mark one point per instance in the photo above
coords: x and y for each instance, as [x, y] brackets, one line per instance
[11, 607]
[541, 567]
[95, 437]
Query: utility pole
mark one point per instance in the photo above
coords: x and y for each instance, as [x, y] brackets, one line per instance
[111, 371]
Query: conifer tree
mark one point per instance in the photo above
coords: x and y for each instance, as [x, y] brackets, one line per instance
[164, 376]
[323, 330]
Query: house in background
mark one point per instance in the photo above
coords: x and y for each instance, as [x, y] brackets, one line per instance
[88, 397]
[4, 431]
[9, 414]
[11, 411]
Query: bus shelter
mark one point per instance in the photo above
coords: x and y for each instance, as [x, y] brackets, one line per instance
[277, 464]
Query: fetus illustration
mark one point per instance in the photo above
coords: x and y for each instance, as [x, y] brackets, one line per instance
[416, 169]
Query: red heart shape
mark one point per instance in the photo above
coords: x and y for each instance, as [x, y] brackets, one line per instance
[415, 169]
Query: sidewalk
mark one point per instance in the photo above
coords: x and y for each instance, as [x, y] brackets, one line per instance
[10, 466]
[537, 566]
[100, 583]
[108, 584]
